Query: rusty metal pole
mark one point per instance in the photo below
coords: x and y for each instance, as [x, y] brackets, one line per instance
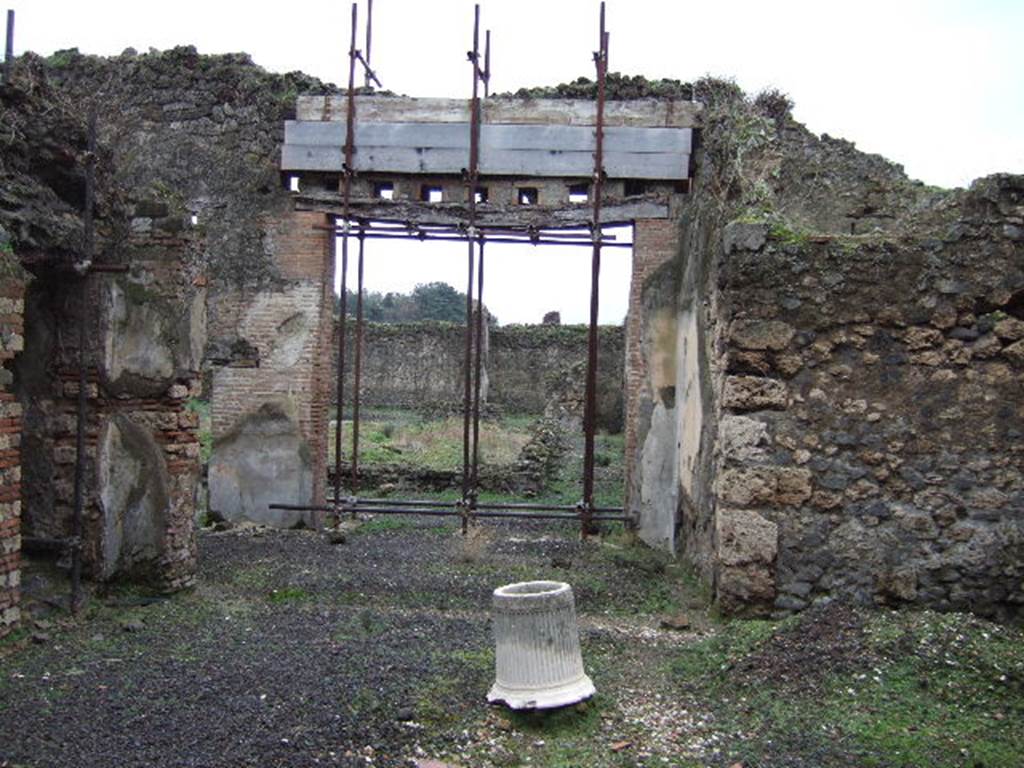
[358, 365]
[9, 48]
[468, 488]
[368, 75]
[467, 375]
[487, 64]
[478, 363]
[88, 253]
[350, 119]
[590, 408]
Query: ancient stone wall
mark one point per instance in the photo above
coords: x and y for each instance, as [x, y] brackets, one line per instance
[144, 320]
[420, 366]
[194, 143]
[870, 437]
[144, 332]
[526, 362]
[844, 361]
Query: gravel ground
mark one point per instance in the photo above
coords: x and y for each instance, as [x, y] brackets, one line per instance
[296, 652]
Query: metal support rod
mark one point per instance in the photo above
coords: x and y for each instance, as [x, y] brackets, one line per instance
[88, 253]
[368, 76]
[340, 372]
[458, 513]
[423, 237]
[346, 193]
[467, 376]
[433, 503]
[468, 477]
[601, 61]
[487, 64]
[373, 226]
[358, 367]
[9, 48]
[478, 363]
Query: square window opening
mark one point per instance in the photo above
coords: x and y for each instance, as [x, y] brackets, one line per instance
[384, 190]
[528, 195]
[634, 187]
[481, 194]
[431, 194]
[579, 193]
[293, 183]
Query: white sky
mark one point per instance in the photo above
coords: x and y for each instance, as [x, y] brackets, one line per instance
[933, 84]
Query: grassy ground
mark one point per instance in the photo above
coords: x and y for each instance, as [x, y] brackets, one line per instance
[391, 435]
[292, 652]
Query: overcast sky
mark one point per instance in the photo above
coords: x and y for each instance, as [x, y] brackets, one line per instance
[935, 85]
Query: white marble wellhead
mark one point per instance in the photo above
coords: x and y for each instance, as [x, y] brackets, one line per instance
[537, 659]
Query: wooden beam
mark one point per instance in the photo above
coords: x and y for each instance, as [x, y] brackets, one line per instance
[655, 166]
[501, 137]
[641, 113]
[624, 212]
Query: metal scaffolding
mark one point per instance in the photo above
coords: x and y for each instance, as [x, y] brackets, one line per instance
[475, 236]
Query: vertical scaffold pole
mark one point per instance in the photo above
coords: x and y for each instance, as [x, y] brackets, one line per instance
[350, 118]
[468, 479]
[358, 363]
[478, 372]
[9, 47]
[368, 77]
[590, 407]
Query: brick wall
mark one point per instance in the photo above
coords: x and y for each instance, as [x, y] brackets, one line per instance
[11, 342]
[288, 326]
[655, 243]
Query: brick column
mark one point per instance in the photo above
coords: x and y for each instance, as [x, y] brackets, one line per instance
[655, 242]
[288, 326]
[12, 305]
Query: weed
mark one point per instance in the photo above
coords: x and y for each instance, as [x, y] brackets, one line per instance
[390, 523]
[288, 595]
[473, 545]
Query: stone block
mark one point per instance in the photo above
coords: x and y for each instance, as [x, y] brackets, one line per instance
[762, 334]
[263, 459]
[744, 537]
[755, 393]
[765, 486]
[1015, 354]
[1009, 329]
[742, 236]
[742, 439]
[922, 338]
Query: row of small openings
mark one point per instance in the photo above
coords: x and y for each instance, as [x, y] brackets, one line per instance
[578, 193]
[429, 193]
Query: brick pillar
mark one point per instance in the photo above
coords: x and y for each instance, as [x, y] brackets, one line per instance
[12, 306]
[655, 242]
[289, 328]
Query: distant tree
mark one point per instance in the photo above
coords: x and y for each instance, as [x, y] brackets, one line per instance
[428, 301]
[439, 301]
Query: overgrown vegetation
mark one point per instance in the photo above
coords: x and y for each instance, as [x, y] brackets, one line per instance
[434, 302]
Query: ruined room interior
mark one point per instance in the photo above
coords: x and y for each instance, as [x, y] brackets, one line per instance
[818, 380]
